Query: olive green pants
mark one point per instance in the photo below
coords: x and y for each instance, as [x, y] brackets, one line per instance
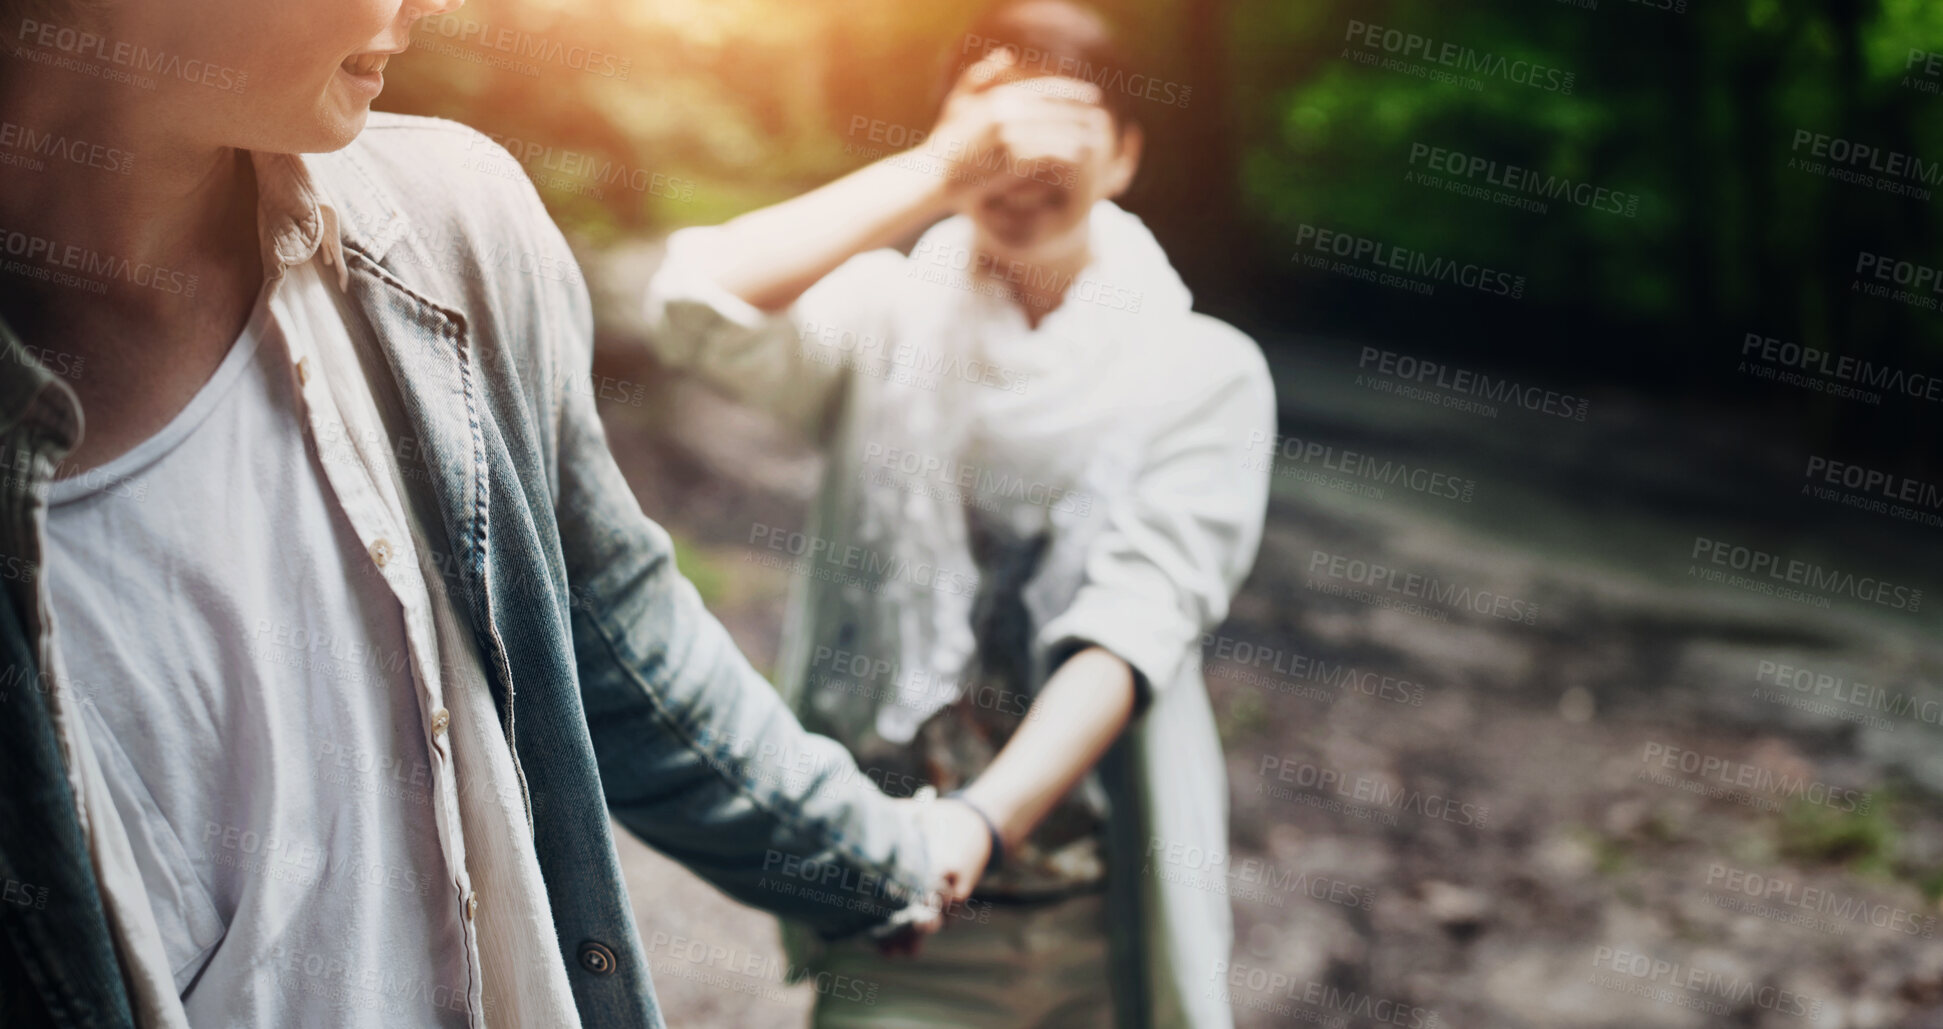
[1039, 967]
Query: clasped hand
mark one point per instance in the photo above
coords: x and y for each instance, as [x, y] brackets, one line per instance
[960, 847]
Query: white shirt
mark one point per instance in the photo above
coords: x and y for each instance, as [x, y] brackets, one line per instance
[1124, 428]
[242, 612]
[253, 713]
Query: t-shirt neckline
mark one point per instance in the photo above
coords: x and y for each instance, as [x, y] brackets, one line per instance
[133, 461]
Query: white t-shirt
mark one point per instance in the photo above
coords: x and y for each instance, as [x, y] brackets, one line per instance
[245, 677]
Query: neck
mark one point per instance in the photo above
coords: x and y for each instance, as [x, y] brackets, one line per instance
[1038, 280]
[177, 207]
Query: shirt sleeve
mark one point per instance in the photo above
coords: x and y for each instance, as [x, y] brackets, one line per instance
[1179, 543]
[791, 363]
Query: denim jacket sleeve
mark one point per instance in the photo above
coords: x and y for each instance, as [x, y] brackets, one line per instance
[698, 755]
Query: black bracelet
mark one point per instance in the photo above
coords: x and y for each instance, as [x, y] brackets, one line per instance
[997, 857]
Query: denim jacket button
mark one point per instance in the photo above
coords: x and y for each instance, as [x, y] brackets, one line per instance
[596, 958]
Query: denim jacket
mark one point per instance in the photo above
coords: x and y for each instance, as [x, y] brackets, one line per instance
[617, 691]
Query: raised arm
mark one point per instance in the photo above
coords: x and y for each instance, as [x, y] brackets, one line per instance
[773, 307]
[769, 257]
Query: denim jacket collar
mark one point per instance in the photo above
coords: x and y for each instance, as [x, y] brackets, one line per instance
[368, 217]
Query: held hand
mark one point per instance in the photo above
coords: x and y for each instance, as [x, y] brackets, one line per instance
[960, 847]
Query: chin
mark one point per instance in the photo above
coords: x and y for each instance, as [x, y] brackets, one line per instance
[1013, 237]
[336, 131]
[318, 133]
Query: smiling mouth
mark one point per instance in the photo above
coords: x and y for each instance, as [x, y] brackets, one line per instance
[365, 64]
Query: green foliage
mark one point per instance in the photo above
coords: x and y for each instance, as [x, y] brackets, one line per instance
[711, 577]
[1863, 841]
[739, 103]
[1695, 113]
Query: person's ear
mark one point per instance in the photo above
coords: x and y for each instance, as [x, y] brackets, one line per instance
[1125, 162]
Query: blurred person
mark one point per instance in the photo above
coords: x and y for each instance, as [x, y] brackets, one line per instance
[1035, 500]
[331, 634]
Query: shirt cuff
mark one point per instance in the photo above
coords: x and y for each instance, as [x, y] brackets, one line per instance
[678, 289]
[1152, 643]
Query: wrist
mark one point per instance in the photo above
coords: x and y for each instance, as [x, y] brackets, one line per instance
[996, 859]
[938, 195]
